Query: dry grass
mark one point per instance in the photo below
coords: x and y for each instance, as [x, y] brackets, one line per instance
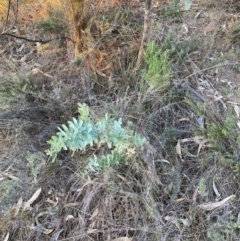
[193, 153]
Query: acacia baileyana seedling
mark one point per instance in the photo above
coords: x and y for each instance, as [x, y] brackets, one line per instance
[81, 133]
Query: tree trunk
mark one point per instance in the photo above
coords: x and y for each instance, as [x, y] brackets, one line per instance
[76, 22]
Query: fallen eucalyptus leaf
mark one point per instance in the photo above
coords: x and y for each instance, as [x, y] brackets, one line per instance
[43, 229]
[122, 239]
[179, 149]
[215, 190]
[212, 205]
[17, 207]
[7, 237]
[185, 222]
[32, 199]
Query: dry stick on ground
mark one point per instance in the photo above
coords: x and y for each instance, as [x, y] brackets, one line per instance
[145, 32]
[42, 41]
[5, 30]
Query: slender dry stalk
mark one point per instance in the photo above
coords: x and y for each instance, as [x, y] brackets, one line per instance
[145, 32]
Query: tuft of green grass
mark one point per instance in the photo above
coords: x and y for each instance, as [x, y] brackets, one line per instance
[158, 71]
[234, 34]
[55, 23]
[14, 88]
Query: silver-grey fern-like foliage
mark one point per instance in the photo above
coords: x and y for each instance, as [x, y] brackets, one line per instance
[83, 132]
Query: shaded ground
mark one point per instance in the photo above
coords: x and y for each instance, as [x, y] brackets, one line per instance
[191, 123]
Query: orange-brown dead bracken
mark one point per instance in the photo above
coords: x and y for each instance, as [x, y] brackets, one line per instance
[29, 10]
[99, 59]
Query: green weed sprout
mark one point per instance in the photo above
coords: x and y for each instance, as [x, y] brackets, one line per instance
[83, 132]
[158, 72]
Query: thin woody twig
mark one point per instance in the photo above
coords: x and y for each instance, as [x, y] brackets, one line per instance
[211, 67]
[145, 31]
[43, 41]
[8, 12]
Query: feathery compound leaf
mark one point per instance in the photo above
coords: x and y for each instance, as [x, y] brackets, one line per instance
[187, 4]
[176, 2]
[64, 127]
[83, 132]
[83, 111]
